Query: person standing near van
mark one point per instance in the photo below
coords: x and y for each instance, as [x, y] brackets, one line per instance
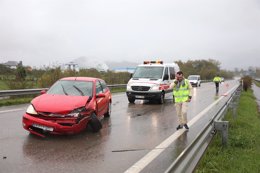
[182, 91]
[217, 80]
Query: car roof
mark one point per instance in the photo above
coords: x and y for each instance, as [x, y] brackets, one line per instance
[160, 65]
[92, 79]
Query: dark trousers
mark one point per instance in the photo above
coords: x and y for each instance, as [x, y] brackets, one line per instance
[217, 86]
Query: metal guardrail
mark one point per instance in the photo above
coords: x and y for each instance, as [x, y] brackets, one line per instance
[189, 158]
[5, 93]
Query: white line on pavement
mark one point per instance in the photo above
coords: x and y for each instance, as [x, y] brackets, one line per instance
[149, 157]
[13, 110]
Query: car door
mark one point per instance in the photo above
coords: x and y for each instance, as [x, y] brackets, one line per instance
[101, 101]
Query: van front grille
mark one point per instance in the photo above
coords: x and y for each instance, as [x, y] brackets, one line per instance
[140, 88]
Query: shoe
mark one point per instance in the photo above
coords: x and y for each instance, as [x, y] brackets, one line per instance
[186, 126]
[179, 127]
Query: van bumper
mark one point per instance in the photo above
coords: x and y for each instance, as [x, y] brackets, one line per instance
[144, 95]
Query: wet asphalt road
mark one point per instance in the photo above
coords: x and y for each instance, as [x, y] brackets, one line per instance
[131, 132]
[257, 94]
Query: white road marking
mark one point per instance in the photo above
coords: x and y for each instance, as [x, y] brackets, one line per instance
[149, 157]
[13, 110]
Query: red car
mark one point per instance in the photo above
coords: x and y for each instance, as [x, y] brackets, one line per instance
[69, 106]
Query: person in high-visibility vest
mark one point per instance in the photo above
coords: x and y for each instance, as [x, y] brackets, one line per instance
[217, 80]
[182, 91]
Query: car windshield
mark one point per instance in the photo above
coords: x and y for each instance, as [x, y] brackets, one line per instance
[72, 88]
[148, 72]
[192, 77]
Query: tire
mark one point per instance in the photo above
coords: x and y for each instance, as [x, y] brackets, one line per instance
[94, 123]
[161, 99]
[108, 113]
[131, 100]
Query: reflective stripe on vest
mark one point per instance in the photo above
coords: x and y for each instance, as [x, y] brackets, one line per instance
[181, 94]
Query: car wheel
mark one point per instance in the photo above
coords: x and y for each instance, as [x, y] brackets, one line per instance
[94, 123]
[108, 113]
[161, 100]
[131, 100]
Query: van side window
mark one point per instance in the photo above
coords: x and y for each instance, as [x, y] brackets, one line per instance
[172, 73]
[166, 72]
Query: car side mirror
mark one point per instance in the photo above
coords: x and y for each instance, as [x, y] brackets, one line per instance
[43, 92]
[100, 95]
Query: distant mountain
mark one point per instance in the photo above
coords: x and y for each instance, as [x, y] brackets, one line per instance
[85, 62]
[113, 64]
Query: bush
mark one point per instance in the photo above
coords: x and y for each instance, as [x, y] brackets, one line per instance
[247, 82]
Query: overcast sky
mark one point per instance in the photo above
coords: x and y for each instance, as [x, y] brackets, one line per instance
[44, 31]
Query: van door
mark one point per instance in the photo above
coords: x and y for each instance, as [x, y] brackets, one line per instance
[166, 82]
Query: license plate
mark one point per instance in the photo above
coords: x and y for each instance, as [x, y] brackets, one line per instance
[43, 127]
[139, 97]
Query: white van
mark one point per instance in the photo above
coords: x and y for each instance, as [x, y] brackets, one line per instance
[194, 80]
[151, 81]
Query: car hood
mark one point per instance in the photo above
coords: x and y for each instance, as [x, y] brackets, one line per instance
[58, 103]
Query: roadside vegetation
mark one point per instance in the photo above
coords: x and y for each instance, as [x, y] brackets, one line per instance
[25, 77]
[257, 83]
[241, 155]
[15, 101]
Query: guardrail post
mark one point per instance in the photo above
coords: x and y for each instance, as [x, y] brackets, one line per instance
[234, 103]
[222, 126]
[233, 106]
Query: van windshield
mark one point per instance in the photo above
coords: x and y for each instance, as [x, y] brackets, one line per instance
[193, 77]
[148, 72]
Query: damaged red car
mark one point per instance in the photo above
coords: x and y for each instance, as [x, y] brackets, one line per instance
[69, 106]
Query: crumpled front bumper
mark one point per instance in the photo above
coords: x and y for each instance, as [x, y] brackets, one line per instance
[59, 126]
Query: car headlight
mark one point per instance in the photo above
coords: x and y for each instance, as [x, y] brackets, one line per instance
[31, 110]
[155, 87]
[76, 112]
[128, 87]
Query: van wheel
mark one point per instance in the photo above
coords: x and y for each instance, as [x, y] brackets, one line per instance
[108, 113]
[161, 100]
[131, 100]
[94, 123]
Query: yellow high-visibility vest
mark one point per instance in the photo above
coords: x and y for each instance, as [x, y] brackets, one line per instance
[217, 79]
[181, 93]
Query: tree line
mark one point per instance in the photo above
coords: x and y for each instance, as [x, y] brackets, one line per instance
[207, 69]
[24, 77]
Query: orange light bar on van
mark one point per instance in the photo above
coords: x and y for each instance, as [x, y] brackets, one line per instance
[153, 62]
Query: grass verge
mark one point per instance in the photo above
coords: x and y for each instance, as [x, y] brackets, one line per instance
[242, 154]
[257, 83]
[16, 101]
[3, 85]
